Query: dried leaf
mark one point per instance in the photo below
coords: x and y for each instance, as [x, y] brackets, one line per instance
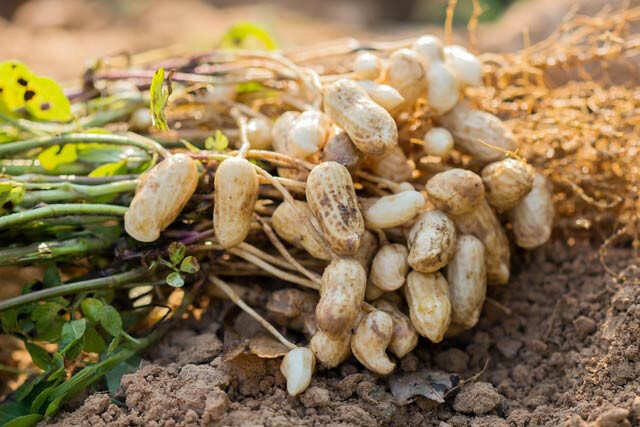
[433, 385]
[266, 347]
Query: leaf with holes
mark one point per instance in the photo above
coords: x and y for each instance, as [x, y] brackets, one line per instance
[14, 79]
[45, 100]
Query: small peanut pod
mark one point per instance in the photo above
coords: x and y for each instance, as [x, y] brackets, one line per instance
[405, 337]
[332, 199]
[369, 126]
[477, 133]
[280, 131]
[302, 234]
[389, 267]
[372, 292]
[331, 350]
[429, 47]
[460, 194]
[438, 142]
[384, 95]
[294, 309]
[466, 65]
[394, 166]
[427, 296]
[341, 294]
[367, 66]
[467, 277]
[431, 241]
[235, 195]
[393, 210]
[259, 133]
[297, 367]
[370, 340]
[308, 134]
[367, 249]
[532, 218]
[507, 182]
[161, 194]
[407, 73]
[444, 88]
[340, 149]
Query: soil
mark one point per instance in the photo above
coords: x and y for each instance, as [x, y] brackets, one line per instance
[558, 343]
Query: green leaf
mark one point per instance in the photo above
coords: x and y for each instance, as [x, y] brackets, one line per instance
[42, 397]
[40, 357]
[175, 279]
[110, 320]
[52, 157]
[72, 339]
[249, 87]
[245, 35]
[45, 100]
[190, 265]
[51, 277]
[93, 341]
[59, 372]
[14, 79]
[159, 96]
[25, 389]
[110, 169]
[48, 322]
[11, 192]
[189, 146]
[91, 308]
[12, 410]
[115, 342]
[217, 142]
[177, 250]
[114, 376]
[25, 421]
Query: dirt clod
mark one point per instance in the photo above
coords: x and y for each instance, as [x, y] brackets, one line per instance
[452, 360]
[477, 398]
[315, 397]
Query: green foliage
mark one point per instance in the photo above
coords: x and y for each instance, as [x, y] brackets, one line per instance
[159, 96]
[245, 35]
[41, 97]
[52, 157]
[190, 265]
[110, 320]
[217, 142]
[10, 193]
[177, 252]
[175, 279]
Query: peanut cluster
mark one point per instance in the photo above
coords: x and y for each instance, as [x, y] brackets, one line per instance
[411, 260]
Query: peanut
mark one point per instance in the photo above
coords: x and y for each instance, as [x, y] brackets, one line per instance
[259, 133]
[235, 195]
[370, 340]
[303, 234]
[507, 182]
[341, 293]
[372, 292]
[467, 277]
[308, 134]
[367, 66]
[407, 73]
[405, 337]
[297, 367]
[438, 142]
[331, 350]
[429, 47]
[460, 194]
[340, 149]
[384, 95]
[431, 241]
[393, 210]
[427, 296]
[294, 309]
[477, 133]
[161, 194]
[332, 199]
[369, 126]
[140, 119]
[466, 65]
[389, 268]
[394, 166]
[444, 88]
[532, 217]
[280, 131]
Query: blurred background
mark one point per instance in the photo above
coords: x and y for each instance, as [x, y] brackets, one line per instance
[58, 37]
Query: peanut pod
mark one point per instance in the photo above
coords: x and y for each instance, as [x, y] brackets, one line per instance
[393, 210]
[427, 296]
[431, 241]
[507, 182]
[467, 277]
[299, 233]
[532, 217]
[331, 350]
[389, 267]
[405, 337]
[370, 340]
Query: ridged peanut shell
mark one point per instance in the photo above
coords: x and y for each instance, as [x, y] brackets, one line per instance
[507, 182]
[389, 267]
[405, 337]
[332, 199]
[331, 350]
[532, 218]
[235, 195]
[431, 241]
[161, 194]
[370, 340]
[455, 191]
[303, 234]
[427, 296]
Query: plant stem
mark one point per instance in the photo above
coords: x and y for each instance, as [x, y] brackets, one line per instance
[88, 180]
[52, 250]
[47, 141]
[110, 282]
[30, 166]
[70, 191]
[60, 210]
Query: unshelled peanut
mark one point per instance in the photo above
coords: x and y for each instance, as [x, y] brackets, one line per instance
[297, 367]
[389, 267]
[467, 277]
[332, 199]
[507, 182]
[370, 340]
[331, 350]
[407, 73]
[161, 194]
[431, 241]
[394, 166]
[393, 210]
[427, 296]
[532, 217]
[235, 195]
[300, 232]
[341, 149]
[405, 337]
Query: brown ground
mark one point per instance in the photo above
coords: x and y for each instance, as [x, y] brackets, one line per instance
[567, 352]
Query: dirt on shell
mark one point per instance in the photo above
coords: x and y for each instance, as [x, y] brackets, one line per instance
[559, 344]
